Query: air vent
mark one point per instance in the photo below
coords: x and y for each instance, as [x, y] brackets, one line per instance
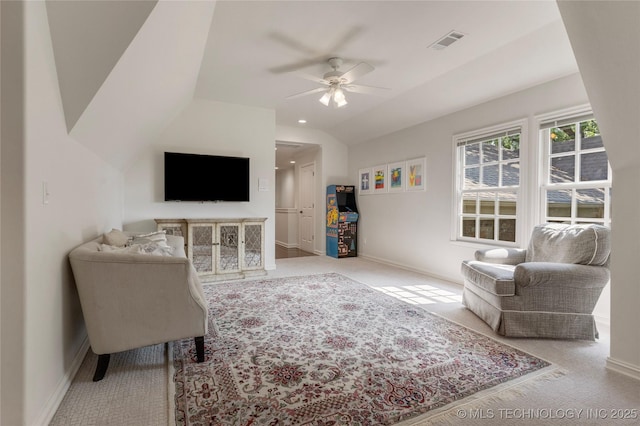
[447, 40]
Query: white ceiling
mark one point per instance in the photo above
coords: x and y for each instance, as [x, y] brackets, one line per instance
[256, 53]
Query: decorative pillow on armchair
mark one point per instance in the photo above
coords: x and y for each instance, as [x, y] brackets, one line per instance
[577, 244]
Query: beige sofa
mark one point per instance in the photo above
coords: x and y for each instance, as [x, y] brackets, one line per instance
[130, 300]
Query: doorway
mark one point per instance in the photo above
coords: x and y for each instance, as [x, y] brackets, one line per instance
[295, 199]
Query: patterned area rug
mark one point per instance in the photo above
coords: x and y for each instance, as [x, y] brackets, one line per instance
[327, 350]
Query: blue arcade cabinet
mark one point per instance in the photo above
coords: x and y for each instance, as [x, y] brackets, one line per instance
[342, 221]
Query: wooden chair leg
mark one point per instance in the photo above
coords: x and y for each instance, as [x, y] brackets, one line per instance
[101, 368]
[200, 348]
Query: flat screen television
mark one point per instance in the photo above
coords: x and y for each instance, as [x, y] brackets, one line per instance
[196, 177]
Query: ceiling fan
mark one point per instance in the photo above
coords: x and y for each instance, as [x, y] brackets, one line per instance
[336, 82]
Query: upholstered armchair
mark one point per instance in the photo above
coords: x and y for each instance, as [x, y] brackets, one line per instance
[548, 290]
[133, 299]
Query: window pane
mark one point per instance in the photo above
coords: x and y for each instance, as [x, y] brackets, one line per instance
[594, 166]
[559, 203]
[490, 176]
[472, 154]
[589, 129]
[563, 139]
[592, 142]
[563, 169]
[469, 203]
[487, 202]
[511, 174]
[486, 229]
[590, 203]
[510, 147]
[490, 151]
[469, 227]
[472, 178]
[507, 230]
[507, 203]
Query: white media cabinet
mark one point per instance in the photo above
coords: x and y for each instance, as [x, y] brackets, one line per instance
[221, 249]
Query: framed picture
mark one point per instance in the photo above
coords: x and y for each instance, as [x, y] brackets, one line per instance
[379, 178]
[365, 181]
[396, 176]
[416, 174]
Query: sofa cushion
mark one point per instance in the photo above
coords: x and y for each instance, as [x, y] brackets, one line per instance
[578, 244]
[494, 278]
[115, 238]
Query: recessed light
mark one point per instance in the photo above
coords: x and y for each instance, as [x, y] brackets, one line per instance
[277, 167]
[292, 162]
[302, 121]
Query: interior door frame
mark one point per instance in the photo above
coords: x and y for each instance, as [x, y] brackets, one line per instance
[302, 190]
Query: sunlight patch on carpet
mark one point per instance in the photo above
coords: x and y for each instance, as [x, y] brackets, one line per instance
[325, 349]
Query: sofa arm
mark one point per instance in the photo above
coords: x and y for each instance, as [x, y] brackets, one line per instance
[505, 256]
[541, 274]
[134, 300]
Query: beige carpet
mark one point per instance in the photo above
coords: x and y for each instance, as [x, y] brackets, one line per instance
[134, 391]
[134, 394]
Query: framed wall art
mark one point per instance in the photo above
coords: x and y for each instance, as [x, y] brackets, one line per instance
[416, 171]
[365, 181]
[379, 178]
[396, 179]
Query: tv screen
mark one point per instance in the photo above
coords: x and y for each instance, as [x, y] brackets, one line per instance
[195, 177]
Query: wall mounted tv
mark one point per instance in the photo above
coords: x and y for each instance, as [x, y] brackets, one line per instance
[195, 177]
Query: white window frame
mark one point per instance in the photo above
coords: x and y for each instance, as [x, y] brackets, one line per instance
[567, 116]
[458, 178]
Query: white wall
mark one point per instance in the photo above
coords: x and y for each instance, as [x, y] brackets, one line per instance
[85, 199]
[207, 127]
[285, 188]
[331, 168]
[413, 229]
[610, 70]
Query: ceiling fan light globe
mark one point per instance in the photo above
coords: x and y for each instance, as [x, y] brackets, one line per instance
[324, 100]
[340, 102]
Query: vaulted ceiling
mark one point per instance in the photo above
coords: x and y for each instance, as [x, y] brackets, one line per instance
[139, 63]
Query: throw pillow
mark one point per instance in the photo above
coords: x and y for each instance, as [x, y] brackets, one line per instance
[159, 238]
[116, 238]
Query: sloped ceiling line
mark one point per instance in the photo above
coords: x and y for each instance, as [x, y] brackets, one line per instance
[88, 38]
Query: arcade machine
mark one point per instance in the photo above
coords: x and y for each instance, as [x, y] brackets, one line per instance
[342, 221]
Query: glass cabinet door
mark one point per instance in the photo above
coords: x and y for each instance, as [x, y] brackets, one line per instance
[253, 246]
[228, 257]
[201, 247]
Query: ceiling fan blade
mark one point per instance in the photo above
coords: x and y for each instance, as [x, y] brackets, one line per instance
[296, 66]
[308, 92]
[359, 88]
[313, 78]
[356, 72]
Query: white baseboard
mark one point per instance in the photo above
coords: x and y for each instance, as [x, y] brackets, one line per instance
[50, 408]
[285, 245]
[411, 268]
[623, 367]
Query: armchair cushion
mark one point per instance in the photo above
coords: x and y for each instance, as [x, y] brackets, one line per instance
[494, 278]
[578, 244]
